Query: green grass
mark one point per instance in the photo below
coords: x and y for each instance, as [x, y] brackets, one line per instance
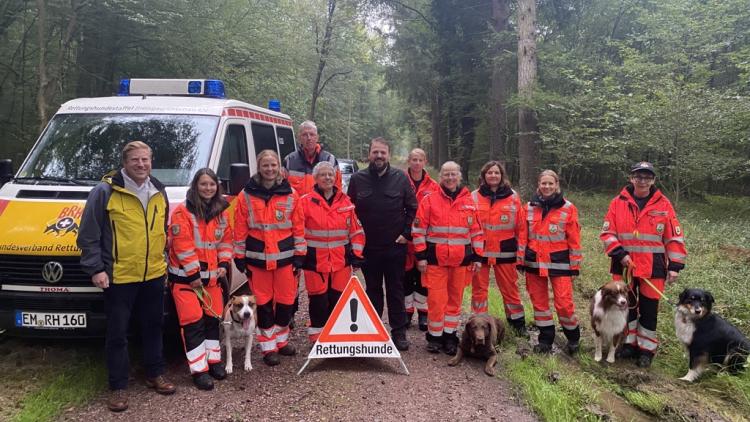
[70, 386]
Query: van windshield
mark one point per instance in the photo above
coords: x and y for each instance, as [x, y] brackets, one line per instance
[81, 148]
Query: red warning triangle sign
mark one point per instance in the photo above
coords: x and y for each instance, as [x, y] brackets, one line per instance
[354, 318]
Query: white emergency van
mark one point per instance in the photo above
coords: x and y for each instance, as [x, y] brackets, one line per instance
[188, 123]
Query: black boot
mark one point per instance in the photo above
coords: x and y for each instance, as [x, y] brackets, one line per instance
[217, 370]
[434, 343]
[450, 344]
[543, 348]
[574, 337]
[627, 351]
[422, 318]
[271, 359]
[399, 340]
[203, 381]
[519, 327]
[645, 358]
[409, 316]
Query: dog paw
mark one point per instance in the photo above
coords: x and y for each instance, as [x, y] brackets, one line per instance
[229, 369]
[489, 371]
[598, 358]
[248, 367]
[611, 360]
[687, 378]
[453, 362]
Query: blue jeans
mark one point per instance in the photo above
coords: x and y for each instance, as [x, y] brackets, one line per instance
[144, 302]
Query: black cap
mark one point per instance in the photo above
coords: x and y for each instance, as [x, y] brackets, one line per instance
[643, 166]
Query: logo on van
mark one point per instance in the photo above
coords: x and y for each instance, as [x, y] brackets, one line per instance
[52, 272]
[62, 226]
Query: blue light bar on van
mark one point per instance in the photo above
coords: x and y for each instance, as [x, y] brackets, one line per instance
[213, 88]
[274, 104]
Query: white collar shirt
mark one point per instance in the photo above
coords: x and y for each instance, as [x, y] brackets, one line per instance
[143, 192]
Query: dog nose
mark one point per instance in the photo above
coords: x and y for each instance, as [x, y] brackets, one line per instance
[697, 310]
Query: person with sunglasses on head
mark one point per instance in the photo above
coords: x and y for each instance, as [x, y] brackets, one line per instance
[644, 239]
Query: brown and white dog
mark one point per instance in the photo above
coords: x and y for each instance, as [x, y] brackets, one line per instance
[481, 334]
[609, 317]
[239, 325]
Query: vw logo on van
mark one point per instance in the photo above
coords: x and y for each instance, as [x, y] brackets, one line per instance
[52, 272]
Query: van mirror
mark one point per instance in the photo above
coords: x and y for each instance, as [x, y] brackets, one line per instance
[239, 174]
[6, 171]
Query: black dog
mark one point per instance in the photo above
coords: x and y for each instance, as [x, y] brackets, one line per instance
[708, 338]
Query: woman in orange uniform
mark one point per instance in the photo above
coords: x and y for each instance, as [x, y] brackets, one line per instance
[200, 253]
[335, 241]
[550, 253]
[501, 215]
[415, 294]
[269, 241]
[448, 243]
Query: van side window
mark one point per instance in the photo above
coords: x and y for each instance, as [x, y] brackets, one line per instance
[286, 141]
[263, 137]
[234, 150]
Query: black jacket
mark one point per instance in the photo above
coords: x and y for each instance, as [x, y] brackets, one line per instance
[386, 205]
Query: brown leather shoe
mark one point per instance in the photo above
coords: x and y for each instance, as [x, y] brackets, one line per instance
[161, 385]
[117, 401]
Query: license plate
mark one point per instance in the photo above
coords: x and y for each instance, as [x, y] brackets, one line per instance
[50, 320]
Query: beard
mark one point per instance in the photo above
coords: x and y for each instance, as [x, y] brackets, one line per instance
[379, 164]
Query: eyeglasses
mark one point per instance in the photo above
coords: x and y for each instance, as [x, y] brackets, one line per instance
[643, 178]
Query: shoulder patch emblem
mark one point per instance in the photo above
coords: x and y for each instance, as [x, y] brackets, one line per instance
[469, 220]
[175, 229]
[605, 227]
[219, 233]
[504, 218]
[677, 230]
[660, 228]
[279, 215]
[553, 228]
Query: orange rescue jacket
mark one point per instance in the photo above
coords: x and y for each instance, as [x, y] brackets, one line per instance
[426, 187]
[446, 231]
[652, 236]
[333, 232]
[502, 222]
[269, 226]
[550, 245]
[197, 248]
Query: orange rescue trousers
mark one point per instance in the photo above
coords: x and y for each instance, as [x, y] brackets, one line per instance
[445, 286]
[507, 281]
[323, 290]
[275, 291]
[562, 288]
[199, 327]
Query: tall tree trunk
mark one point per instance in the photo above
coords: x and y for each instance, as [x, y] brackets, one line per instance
[528, 129]
[48, 80]
[499, 90]
[324, 51]
[468, 134]
[436, 126]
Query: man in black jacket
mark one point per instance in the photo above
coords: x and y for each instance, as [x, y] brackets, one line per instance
[386, 206]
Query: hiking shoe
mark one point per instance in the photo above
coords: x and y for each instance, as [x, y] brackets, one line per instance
[117, 401]
[422, 321]
[399, 340]
[644, 360]
[543, 348]
[203, 381]
[161, 385]
[627, 351]
[288, 350]
[434, 346]
[520, 330]
[450, 344]
[217, 370]
[271, 359]
[573, 347]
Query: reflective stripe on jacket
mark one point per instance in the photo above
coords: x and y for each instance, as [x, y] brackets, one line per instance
[501, 224]
[447, 232]
[652, 236]
[428, 186]
[118, 236]
[332, 232]
[551, 245]
[300, 170]
[197, 248]
[269, 231]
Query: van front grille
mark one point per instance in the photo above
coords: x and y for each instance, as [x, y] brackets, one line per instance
[20, 269]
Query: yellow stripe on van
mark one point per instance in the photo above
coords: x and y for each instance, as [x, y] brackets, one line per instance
[40, 228]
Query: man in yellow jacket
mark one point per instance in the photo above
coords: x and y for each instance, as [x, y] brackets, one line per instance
[122, 239]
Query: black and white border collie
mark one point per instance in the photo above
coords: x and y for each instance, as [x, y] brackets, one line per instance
[609, 317]
[709, 339]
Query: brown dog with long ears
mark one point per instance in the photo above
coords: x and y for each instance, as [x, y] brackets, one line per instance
[609, 317]
[481, 334]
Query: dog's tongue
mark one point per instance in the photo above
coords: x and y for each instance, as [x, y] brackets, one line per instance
[246, 324]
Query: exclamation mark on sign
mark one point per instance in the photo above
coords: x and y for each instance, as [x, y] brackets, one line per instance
[353, 309]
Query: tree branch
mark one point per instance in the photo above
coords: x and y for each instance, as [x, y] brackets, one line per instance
[323, 85]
